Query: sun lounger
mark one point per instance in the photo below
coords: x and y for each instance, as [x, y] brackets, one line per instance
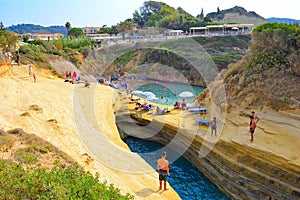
[135, 99]
[197, 109]
[203, 121]
[163, 112]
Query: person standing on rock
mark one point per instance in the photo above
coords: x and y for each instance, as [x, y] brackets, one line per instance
[34, 77]
[256, 118]
[163, 170]
[252, 128]
[213, 126]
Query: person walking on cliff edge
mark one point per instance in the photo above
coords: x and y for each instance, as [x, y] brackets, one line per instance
[252, 128]
[163, 170]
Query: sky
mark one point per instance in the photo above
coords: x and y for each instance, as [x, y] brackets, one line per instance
[84, 13]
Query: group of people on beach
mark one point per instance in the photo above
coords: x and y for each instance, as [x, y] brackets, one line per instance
[253, 123]
[71, 78]
[74, 78]
[182, 105]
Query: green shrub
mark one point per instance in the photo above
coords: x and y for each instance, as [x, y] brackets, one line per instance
[4, 141]
[59, 183]
[41, 149]
[22, 155]
[25, 49]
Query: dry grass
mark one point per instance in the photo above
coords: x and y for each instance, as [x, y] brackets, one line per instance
[18, 146]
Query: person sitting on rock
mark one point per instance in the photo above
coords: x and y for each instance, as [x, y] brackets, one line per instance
[177, 105]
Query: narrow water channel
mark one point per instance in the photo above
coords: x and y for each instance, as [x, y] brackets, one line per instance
[185, 178]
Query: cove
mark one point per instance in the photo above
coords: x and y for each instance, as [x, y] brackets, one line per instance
[170, 91]
[185, 178]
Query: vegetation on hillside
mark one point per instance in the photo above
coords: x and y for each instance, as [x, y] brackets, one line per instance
[38, 170]
[283, 20]
[153, 14]
[8, 41]
[270, 74]
[75, 32]
[32, 28]
[221, 49]
[37, 52]
[159, 14]
[237, 9]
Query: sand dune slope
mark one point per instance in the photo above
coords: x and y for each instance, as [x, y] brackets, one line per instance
[47, 108]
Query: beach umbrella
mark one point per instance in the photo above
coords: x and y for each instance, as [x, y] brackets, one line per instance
[151, 98]
[137, 92]
[186, 94]
[149, 94]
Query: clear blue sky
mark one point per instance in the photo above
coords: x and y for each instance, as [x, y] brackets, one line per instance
[82, 13]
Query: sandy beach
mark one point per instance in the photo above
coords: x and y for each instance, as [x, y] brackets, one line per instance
[51, 98]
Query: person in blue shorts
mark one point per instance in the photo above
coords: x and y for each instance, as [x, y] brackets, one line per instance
[213, 126]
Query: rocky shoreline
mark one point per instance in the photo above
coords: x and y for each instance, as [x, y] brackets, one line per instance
[241, 171]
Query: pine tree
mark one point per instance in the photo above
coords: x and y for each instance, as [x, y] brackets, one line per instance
[68, 26]
[201, 15]
[2, 26]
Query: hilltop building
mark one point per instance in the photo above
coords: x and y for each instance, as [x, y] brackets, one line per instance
[223, 29]
[45, 36]
[90, 30]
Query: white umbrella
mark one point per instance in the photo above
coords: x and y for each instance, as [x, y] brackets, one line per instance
[137, 92]
[151, 98]
[148, 94]
[186, 94]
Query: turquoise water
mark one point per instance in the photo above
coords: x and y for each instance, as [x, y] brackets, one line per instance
[184, 178]
[170, 91]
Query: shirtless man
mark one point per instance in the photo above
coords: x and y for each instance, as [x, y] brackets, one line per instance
[252, 127]
[213, 126]
[256, 118]
[163, 170]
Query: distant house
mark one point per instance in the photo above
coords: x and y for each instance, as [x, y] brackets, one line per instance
[90, 30]
[175, 32]
[16, 34]
[45, 36]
